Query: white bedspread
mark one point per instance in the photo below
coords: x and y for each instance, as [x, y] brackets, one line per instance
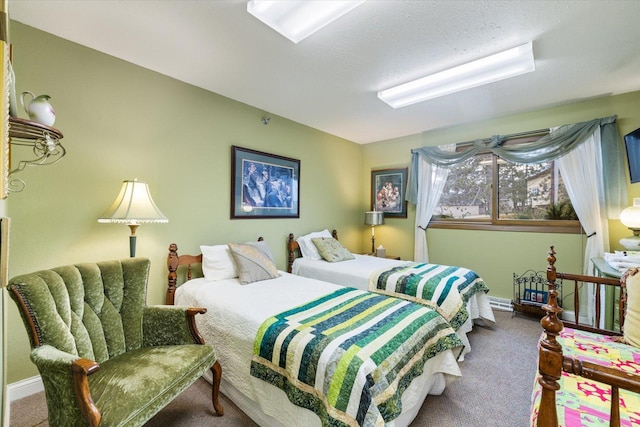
[353, 272]
[234, 314]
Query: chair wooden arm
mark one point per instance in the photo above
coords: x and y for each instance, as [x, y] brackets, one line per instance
[81, 369]
[191, 319]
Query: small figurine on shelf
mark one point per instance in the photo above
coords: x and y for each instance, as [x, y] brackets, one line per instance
[39, 109]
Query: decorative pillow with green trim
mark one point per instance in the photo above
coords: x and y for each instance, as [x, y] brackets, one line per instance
[253, 263]
[331, 250]
[307, 248]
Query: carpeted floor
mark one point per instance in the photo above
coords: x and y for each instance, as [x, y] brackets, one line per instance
[494, 390]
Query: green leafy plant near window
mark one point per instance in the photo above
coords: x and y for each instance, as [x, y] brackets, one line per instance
[563, 210]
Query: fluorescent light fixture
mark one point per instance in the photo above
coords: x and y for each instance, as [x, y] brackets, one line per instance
[299, 19]
[510, 63]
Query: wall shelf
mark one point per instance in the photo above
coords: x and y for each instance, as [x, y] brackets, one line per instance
[43, 140]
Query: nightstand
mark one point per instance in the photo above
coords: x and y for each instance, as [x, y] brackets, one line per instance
[387, 257]
[611, 297]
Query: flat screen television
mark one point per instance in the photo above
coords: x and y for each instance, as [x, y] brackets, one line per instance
[632, 142]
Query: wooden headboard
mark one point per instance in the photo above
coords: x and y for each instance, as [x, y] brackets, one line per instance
[293, 249]
[173, 262]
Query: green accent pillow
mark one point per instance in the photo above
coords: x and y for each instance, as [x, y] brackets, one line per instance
[252, 262]
[331, 250]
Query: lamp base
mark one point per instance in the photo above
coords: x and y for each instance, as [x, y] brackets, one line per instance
[631, 243]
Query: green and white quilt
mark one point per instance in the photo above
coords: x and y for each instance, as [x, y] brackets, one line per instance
[447, 288]
[349, 356]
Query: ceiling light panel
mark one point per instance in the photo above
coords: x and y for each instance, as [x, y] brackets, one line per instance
[297, 20]
[510, 63]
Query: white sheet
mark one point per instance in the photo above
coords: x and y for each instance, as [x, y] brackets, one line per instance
[234, 314]
[356, 273]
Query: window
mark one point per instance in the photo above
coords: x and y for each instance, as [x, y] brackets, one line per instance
[488, 192]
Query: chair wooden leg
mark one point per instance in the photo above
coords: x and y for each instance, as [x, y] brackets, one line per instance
[216, 369]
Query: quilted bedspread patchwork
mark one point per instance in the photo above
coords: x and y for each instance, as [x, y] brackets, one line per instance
[582, 402]
[446, 287]
[348, 356]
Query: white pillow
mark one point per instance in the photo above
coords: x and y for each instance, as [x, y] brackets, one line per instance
[307, 248]
[218, 263]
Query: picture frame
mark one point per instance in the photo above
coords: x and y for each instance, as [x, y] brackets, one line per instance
[264, 185]
[388, 191]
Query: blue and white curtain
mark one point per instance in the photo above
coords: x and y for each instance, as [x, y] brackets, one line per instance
[590, 159]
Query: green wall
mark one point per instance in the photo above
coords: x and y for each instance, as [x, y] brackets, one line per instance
[496, 255]
[121, 122]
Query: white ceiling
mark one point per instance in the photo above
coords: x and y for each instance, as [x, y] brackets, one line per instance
[329, 81]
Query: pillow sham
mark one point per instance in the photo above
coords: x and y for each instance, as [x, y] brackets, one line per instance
[631, 331]
[263, 247]
[331, 250]
[217, 263]
[253, 264]
[307, 248]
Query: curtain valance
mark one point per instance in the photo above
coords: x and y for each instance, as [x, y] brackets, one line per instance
[547, 148]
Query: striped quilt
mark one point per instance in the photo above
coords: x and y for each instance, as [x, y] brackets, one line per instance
[349, 356]
[446, 287]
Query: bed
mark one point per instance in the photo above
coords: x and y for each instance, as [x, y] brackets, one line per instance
[459, 293]
[350, 384]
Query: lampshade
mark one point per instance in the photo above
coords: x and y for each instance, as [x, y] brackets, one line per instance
[297, 20]
[133, 205]
[374, 218]
[630, 217]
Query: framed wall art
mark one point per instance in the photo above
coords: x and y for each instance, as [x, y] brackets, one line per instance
[264, 185]
[388, 187]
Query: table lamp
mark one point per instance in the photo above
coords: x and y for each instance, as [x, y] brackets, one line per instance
[631, 218]
[133, 206]
[373, 218]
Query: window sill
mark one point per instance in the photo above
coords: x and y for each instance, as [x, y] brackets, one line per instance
[519, 226]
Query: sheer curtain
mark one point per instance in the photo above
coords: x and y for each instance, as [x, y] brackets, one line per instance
[433, 178]
[592, 169]
[547, 148]
[582, 173]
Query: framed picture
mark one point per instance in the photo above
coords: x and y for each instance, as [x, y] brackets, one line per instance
[264, 185]
[388, 187]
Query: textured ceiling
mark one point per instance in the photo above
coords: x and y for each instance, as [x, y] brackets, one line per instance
[583, 49]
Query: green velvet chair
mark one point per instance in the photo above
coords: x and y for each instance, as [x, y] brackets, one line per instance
[105, 358]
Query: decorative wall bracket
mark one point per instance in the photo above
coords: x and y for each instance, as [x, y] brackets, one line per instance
[43, 140]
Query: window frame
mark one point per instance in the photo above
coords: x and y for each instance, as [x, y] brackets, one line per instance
[494, 223]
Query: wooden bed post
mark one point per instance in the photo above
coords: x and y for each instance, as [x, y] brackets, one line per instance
[550, 357]
[291, 247]
[172, 265]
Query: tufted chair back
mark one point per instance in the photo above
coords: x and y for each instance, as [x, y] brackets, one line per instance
[91, 310]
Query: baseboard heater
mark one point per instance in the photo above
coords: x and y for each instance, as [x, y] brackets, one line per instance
[503, 304]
